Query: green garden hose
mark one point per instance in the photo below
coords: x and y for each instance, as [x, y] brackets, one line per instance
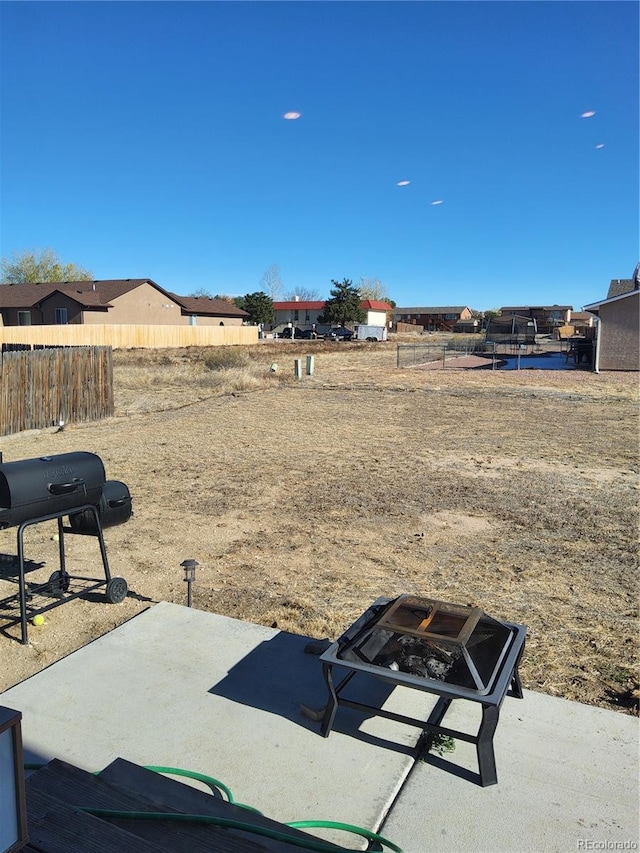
[310, 843]
[314, 844]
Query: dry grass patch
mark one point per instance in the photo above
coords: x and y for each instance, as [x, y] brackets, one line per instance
[305, 501]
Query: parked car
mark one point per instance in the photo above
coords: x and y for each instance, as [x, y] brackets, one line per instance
[311, 335]
[339, 333]
[291, 331]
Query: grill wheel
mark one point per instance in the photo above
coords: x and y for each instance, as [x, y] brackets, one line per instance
[117, 590]
[59, 583]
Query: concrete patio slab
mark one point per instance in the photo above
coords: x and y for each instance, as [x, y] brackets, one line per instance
[567, 781]
[185, 688]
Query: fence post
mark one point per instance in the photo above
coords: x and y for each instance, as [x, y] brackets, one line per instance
[309, 365]
[297, 368]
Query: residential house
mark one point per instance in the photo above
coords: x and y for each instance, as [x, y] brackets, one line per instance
[438, 319]
[547, 318]
[305, 313]
[299, 312]
[113, 301]
[580, 324]
[619, 325]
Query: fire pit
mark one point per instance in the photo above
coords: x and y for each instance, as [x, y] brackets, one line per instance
[451, 650]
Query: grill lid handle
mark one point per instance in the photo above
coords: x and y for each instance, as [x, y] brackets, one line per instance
[65, 488]
[117, 502]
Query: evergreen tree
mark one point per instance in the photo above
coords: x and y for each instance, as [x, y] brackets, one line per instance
[258, 306]
[343, 306]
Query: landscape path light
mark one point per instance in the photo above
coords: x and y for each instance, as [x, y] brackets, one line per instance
[189, 567]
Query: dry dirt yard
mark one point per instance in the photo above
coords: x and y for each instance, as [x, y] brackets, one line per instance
[303, 501]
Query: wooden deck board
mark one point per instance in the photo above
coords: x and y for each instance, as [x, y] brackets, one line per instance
[60, 789]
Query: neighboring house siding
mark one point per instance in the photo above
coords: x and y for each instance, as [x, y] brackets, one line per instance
[297, 315]
[144, 304]
[10, 316]
[435, 319]
[116, 302]
[305, 314]
[620, 334]
[75, 313]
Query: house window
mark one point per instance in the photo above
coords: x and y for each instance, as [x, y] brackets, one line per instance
[307, 317]
[62, 317]
[24, 318]
[295, 315]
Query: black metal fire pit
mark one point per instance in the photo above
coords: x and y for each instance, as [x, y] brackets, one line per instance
[49, 488]
[451, 650]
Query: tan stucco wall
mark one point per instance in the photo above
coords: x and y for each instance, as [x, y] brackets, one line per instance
[145, 305]
[620, 334]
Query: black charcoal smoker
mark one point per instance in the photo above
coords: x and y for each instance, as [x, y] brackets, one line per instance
[51, 488]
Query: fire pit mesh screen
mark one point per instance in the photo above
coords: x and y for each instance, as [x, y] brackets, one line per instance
[433, 639]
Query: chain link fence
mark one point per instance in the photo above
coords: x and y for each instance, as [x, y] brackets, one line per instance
[446, 354]
[497, 355]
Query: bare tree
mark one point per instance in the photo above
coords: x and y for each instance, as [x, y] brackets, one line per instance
[373, 288]
[271, 282]
[201, 292]
[301, 294]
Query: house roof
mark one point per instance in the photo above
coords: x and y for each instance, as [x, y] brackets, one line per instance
[594, 307]
[525, 308]
[207, 305]
[581, 315]
[89, 293]
[375, 305]
[102, 293]
[447, 309]
[619, 286]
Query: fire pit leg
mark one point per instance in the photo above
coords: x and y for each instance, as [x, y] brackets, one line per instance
[516, 684]
[332, 704]
[484, 745]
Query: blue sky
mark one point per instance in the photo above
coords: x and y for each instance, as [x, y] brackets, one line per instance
[147, 139]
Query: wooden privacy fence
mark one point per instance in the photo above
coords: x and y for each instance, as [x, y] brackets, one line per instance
[38, 388]
[121, 336]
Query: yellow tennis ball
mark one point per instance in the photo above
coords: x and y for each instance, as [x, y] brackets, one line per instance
[38, 620]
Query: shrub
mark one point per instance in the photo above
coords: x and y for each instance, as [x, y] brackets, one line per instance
[225, 358]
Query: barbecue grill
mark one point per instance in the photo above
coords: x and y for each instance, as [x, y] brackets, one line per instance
[453, 651]
[32, 488]
[51, 488]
